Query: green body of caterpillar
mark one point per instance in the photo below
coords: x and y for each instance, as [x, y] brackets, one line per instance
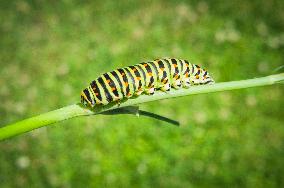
[146, 77]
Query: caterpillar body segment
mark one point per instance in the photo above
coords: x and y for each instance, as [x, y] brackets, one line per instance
[146, 77]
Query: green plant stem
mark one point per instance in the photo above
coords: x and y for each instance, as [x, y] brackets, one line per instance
[78, 110]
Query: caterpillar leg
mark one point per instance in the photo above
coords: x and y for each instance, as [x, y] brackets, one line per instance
[118, 102]
[104, 103]
[129, 95]
[177, 84]
[139, 92]
[186, 83]
[195, 82]
[150, 91]
[166, 87]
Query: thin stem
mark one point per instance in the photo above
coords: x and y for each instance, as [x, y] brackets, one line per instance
[78, 110]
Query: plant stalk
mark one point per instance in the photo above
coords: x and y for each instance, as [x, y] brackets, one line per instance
[75, 110]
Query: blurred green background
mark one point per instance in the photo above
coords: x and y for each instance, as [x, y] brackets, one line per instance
[50, 50]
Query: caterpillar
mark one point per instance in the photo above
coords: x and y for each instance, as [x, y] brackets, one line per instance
[145, 77]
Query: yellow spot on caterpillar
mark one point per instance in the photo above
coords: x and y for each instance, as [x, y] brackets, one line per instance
[138, 78]
[96, 94]
[145, 65]
[162, 69]
[108, 81]
[126, 84]
[122, 74]
[197, 76]
[150, 74]
[113, 88]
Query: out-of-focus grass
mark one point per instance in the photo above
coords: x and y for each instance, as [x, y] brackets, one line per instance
[49, 51]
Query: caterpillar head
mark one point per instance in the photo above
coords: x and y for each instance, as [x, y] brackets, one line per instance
[86, 98]
[201, 76]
